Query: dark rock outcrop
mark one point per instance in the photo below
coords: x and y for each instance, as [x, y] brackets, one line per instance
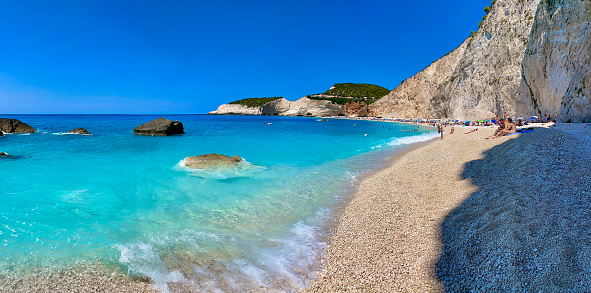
[161, 127]
[15, 126]
[79, 131]
[1, 133]
[3, 154]
[210, 161]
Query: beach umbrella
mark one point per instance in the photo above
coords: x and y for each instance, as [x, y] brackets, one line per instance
[533, 117]
[520, 118]
[480, 121]
[467, 121]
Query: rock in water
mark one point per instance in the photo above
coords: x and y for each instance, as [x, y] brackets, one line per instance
[212, 161]
[160, 126]
[4, 154]
[1, 133]
[15, 126]
[79, 131]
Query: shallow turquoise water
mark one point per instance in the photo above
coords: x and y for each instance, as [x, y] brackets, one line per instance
[118, 198]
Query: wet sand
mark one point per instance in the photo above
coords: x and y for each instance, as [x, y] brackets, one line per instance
[444, 217]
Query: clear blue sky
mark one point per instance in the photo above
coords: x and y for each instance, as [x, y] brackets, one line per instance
[190, 56]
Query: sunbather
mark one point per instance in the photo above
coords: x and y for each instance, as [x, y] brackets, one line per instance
[501, 127]
[509, 128]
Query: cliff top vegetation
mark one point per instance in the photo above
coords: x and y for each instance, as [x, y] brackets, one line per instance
[342, 93]
[357, 90]
[255, 102]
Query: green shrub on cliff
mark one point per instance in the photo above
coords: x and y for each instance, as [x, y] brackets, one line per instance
[255, 102]
[342, 93]
[357, 90]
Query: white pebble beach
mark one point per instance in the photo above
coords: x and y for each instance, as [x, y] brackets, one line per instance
[470, 214]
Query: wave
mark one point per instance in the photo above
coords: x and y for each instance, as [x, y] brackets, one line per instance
[399, 141]
[67, 133]
[8, 133]
[281, 264]
[243, 169]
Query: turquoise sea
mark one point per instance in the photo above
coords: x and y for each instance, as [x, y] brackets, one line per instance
[127, 201]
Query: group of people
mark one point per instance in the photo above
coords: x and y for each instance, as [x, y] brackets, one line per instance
[506, 126]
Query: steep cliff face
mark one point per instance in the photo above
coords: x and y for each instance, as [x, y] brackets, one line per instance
[557, 63]
[413, 97]
[283, 107]
[236, 109]
[309, 107]
[491, 72]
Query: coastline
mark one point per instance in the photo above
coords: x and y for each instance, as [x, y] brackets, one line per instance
[368, 247]
[378, 243]
[389, 235]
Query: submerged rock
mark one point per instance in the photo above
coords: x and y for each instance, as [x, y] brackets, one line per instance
[212, 161]
[15, 126]
[79, 131]
[160, 126]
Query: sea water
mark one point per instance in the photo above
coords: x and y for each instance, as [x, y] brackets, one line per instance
[116, 198]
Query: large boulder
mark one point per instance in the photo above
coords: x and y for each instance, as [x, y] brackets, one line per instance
[211, 161]
[79, 131]
[160, 126]
[15, 126]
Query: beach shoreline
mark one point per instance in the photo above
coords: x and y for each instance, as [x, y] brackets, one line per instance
[389, 236]
[340, 263]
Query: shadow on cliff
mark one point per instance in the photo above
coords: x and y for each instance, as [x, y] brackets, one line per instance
[528, 227]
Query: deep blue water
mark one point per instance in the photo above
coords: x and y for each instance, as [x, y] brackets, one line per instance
[116, 198]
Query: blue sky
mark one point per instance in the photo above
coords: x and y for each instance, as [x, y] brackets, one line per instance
[191, 56]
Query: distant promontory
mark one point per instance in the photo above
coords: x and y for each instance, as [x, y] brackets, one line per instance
[340, 99]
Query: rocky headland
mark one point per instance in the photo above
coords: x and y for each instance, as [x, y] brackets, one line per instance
[527, 58]
[160, 127]
[283, 107]
[15, 126]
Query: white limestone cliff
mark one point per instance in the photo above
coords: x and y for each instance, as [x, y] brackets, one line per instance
[528, 57]
[283, 107]
[557, 63]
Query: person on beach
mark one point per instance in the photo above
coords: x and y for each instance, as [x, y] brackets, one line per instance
[441, 133]
[501, 127]
[509, 128]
